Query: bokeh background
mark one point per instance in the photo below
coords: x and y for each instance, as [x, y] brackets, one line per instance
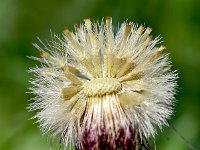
[21, 21]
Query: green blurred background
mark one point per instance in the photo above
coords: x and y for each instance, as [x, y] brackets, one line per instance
[177, 21]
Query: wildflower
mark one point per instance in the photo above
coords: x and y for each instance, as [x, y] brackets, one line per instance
[100, 89]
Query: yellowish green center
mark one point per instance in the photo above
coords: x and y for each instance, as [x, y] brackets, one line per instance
[102, 86]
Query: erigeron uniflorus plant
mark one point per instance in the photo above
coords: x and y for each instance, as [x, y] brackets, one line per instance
[102, 88]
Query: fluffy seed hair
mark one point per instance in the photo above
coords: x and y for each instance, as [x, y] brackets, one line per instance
[103, 89]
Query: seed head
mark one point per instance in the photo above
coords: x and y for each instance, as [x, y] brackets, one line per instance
[100, 88]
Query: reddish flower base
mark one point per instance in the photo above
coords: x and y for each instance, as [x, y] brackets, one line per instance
[125, 139]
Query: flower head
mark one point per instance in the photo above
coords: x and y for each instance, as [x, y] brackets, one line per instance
[103, 89]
